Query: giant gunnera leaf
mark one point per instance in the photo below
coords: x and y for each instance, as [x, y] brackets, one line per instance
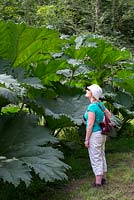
[24, 146]
[23, 45]
[66, 109]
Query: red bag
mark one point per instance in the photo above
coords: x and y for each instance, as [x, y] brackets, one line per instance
[106, 126]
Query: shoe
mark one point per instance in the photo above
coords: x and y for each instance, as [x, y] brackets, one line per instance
[96, 185]
[103, 181]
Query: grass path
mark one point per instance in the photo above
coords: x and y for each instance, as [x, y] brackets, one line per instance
[120, 178]
[120, 184]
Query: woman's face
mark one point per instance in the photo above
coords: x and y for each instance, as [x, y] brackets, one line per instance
[88, 93]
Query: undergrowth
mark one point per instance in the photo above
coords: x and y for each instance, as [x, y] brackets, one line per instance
[120, 185]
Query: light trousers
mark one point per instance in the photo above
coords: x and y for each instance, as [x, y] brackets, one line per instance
[96, 152]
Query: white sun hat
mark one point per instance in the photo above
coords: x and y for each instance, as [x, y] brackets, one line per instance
[96, 91]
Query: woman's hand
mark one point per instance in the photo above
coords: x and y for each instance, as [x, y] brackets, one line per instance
[86, 143]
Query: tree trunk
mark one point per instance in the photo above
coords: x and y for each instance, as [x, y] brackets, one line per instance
[40, 2]
[97, 14]
[114, 11]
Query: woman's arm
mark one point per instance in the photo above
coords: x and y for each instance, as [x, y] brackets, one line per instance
[91, 120]
[107, 112]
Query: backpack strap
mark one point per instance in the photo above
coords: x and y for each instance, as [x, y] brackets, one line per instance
[101, 107]
[107, 120]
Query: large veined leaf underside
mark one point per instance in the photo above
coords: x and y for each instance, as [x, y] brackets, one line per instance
[23, 146]
[65, 107]
[7, 97]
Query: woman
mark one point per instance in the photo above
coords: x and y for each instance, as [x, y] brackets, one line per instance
[94, 140]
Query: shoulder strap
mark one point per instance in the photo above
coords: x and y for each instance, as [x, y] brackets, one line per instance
[100, 107]
[107, 120]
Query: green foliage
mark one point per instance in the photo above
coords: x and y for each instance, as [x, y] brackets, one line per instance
[27, 45]
[95, 56]
[65, 110]
[24, 150]
[8, 90]
[44, 75]
[109, 17]
[124, 78]
[7, 97]
[100, 52]
[47, 71]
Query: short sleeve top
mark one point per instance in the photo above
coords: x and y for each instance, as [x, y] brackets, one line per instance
[99, 115]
